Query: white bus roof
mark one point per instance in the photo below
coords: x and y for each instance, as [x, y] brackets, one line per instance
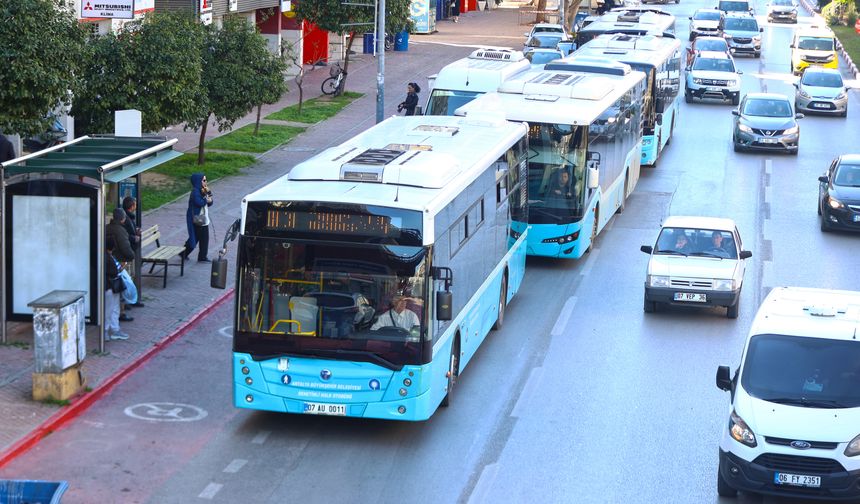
[415, 162]
[481, 71]
[648, 20]
[555, 96]
[629, 48]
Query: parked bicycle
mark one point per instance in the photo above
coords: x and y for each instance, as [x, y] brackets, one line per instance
[334, 84]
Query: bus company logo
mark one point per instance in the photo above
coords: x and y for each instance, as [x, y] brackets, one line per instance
[800, 445]
[374, 384]
[325, 375]
[286, 379]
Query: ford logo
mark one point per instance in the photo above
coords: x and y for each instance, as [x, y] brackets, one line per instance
[325, 374]
[800, 445]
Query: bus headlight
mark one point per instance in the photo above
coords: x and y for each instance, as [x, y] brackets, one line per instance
[745, 128]
[724, 285]
[740, 431]
[562, 239]
[853, 448]
[658, 281]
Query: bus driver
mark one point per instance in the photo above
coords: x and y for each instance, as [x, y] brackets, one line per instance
[397, 316]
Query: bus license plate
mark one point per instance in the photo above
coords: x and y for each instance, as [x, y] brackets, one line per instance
[313, 408]
[797, 480]
[692, 297]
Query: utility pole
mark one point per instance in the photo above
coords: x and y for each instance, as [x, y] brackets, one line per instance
[380, 62]
[561, 13]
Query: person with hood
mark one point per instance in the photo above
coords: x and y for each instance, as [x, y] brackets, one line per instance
[197, 218]
[411, 100]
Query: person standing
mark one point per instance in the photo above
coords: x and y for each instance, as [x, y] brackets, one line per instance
[411, 101]
[123, 252]
[129, 204]
[7, 150]
[197, 218]
[112, 298]
[455, 10]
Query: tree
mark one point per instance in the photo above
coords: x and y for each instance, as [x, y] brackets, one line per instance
[231, 55]
[291, 54]
[339, 18]
[166, 53]
[269, 84]
[108, 83]
[571, 8]
[40, 41]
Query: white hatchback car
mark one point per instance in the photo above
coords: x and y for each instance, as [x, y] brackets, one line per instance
[696, 261]
[793, 426]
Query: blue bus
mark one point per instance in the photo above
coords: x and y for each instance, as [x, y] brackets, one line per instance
[659, 57]
[369, 275]
[585, 146]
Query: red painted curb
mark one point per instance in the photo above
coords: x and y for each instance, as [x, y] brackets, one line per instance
[83, 402]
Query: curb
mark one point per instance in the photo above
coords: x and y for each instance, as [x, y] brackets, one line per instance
[82, 403]
[851, 66]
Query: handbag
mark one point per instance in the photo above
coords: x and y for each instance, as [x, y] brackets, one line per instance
[129, 290]
[199, 219]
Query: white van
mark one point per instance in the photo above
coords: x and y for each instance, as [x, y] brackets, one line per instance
[793, 427]
[465, 79]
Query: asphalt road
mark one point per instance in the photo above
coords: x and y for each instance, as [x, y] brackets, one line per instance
[581, 397]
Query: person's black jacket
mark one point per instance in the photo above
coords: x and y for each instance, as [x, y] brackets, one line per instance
[123, 251]
[131, 229]
[410, 103]
[110, 270]
[7, 150]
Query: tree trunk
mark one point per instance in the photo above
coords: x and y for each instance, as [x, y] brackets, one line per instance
[201, 154]
[299, 80]
[571, 10]
[346, 63]
[257, 124]
[541, 6]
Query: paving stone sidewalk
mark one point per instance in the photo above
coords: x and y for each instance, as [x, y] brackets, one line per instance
[170, 309]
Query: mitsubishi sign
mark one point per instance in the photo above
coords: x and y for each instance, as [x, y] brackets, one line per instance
[114, 9]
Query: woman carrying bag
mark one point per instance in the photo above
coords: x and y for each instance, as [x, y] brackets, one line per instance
[197, 218]
[411, 101]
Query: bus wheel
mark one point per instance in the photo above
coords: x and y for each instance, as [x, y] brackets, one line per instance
[623, 204]
[671, 132]
[593, 229]
[453, 366]
[503, 303]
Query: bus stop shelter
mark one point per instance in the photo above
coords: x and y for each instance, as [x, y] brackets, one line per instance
[53, 219]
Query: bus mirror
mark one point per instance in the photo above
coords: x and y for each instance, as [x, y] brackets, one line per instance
[593, 178]
[218, 276]
[444, 299]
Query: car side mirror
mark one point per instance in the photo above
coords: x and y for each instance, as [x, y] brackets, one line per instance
[648, 249]
[724, 378]
[791, 46]
[526, 34]
[740, 72]
[745, 254]
[735, 112]
[823, 179]
[690, 18]
[799, 116]
[761, 30]
[797, 85]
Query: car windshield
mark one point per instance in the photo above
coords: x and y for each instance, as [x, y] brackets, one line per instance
[742, 24]
[734, 6]
[446, 101]
[800, 371]
[714, 65]
[543, 57]
[822, 79]
[711, 45]
[548, 29]
[767, 108]
[697, 242]
[848, 176]
[549, 40]
[707, 16]
[815, 44]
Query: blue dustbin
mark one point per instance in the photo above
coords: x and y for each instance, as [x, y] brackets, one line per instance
[21, 491]
[401, 41]
[368, 43]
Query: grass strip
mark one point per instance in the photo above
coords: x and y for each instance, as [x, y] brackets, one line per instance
[175, 182]
[315, 109]
[850, 41]
[244, 139]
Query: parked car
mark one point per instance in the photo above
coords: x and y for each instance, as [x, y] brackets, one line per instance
[546, 28]
[706, 43]
[706, 22]
[766, 121]
[743, 34]
[839, 194]
[549, 40]
[782, 10]
[792, 426]
[696, 261]
[539, 56]
[821, 90]
[713, 75]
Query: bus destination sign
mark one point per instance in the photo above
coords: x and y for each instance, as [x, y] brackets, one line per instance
[333, 222]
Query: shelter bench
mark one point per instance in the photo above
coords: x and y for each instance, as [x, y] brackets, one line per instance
[160, 255]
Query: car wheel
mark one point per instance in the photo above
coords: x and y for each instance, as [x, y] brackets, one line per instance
[818, 206]
[732, 311]
[723, 487]
[844, 113]
[649, 306]
[736, 99]
[736, 146]
[692, 37]
[794, 151]
[825, 224]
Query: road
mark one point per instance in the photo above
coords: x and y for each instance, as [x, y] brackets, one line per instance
[581, 397]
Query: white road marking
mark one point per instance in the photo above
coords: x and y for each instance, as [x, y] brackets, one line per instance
[767, 191]
[235, 465]
[765, 229]
[528, 391]
[261, 437]
[563, 317]
[166, 412]
[589, 263]
[768, 166]
[210, 491]
[227, 332]
[485, 483]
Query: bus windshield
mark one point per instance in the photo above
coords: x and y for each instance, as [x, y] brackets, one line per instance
[556, 173]
[446, 101]
[355, 301]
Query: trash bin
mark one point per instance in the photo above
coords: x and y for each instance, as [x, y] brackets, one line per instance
[369, 41]
[31, 491]
[401, 41]
[59, 337]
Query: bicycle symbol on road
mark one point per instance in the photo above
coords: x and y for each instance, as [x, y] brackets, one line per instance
[166, 412]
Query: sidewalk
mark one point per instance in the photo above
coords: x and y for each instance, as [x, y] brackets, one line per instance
[171, 311]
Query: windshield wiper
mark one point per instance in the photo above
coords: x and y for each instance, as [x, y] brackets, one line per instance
[671, 252]
[808, 403]
[706, 254]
